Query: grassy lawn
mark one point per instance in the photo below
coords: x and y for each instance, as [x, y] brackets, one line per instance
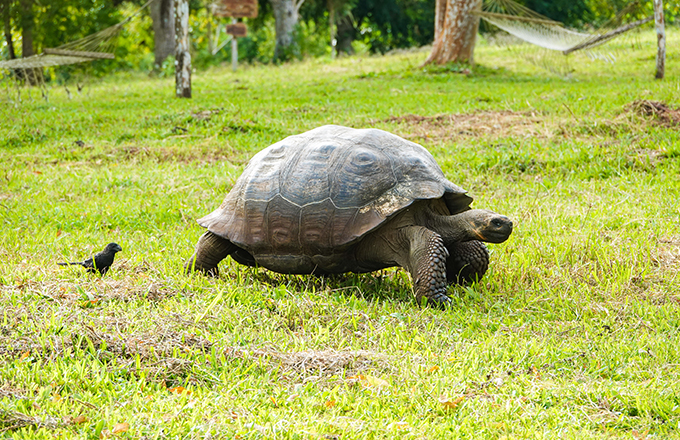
[573, 333]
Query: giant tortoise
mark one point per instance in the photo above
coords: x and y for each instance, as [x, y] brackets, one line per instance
[338, 199]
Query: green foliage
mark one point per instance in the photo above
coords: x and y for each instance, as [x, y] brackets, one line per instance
[391, 24]
[376, 27]
[574, 13]
[582, 13]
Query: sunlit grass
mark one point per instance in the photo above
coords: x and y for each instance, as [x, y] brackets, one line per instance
[571, 334]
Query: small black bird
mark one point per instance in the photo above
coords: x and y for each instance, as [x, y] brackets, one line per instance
[101, 260]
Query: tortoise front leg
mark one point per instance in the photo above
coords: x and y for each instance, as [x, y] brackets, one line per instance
[418, 250]
[210, 250]
[467, 262]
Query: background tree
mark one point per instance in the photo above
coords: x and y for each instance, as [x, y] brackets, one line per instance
[286, 13]
[340, 25]
[455, 31]
[5, 12]
[384, 25]
[162, 14]
[27, 18]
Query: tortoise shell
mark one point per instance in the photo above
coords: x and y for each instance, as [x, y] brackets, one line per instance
[319, 192]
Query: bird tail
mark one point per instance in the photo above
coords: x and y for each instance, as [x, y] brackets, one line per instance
[75, 263]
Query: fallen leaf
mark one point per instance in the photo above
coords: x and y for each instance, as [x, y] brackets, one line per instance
[79, 419]
[433, 369]
[273, 401]
[179, 390]
[120, 427]
[330, 403]
[450, 403]
[24, 355]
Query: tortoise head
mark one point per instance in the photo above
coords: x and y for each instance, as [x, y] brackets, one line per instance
[489, 226]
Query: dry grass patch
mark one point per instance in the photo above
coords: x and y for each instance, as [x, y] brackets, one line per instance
[7, 390]
[669, 253]
[13, 420]
[323, 362]
[491, 124]
[89, 293]
[658, 111]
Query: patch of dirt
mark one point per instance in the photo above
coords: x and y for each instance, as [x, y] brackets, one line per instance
[322, 361]
[205, 115]
[14, 420]
[162, 154]
[493, 124]
[115, 342]
[73, 292]
[7, 390]
[669, 252]
[659, 111]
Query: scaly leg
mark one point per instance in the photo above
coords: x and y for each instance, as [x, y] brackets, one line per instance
[210, 250]
[467, 262]
[418, 250]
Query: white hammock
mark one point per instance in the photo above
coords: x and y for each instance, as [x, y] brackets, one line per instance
[536, 29]
[96, 46]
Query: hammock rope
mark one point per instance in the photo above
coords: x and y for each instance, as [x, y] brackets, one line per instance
[96, 46]
[538, 30]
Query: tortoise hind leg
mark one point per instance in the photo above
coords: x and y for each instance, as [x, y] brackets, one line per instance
[467, 262]
[210, 250]
[415, 248]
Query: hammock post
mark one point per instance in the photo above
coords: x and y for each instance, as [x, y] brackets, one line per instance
[661, 39]
[182, 55]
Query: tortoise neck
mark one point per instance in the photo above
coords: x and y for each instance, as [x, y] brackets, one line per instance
[453, 228]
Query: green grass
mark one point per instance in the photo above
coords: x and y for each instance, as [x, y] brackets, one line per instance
[573, 332]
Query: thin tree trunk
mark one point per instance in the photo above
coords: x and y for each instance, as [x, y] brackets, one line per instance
[6, 5]
[455, 31]
[661, 39]
[286, 18]
[331, 26]
[182, 55]
[163, 18]
[33, 76]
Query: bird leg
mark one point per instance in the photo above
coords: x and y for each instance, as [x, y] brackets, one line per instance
[210, 250]
[467, 262]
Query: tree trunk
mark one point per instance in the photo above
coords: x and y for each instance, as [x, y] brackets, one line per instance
[345, 36]
[331, 26]
[5, 5]
[286, 17]
[163, 18]
[455, 31]
[661, 39]
[33, 76]
[182, 54]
